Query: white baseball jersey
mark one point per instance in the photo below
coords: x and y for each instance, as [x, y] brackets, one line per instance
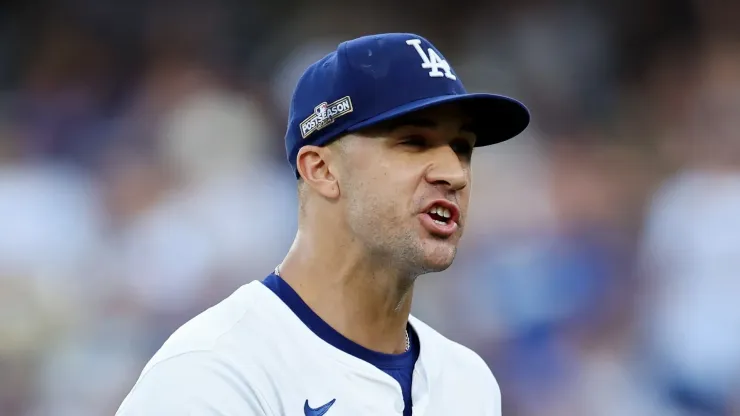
[251, 355]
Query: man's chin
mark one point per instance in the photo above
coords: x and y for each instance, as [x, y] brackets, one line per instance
[440, 257]
[435, 267]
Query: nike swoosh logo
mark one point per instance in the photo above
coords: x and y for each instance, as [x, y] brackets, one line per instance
[319, 411]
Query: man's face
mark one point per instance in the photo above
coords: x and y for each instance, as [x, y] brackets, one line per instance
[406, 187]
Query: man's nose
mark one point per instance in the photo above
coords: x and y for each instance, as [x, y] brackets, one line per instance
[447, 169]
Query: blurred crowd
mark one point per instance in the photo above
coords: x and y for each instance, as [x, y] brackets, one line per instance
[143, 179]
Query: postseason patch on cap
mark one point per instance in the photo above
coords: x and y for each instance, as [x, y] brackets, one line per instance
[325, 114]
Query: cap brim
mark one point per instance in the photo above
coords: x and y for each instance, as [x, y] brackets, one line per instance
[495, 118]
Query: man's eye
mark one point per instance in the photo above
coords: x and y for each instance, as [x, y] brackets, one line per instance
[462, 147]
[414, 141]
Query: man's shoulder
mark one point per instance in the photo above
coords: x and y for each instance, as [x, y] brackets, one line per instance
[194, 382]
[451, 358]
[203, 363]
[241, 315]
[459, 370]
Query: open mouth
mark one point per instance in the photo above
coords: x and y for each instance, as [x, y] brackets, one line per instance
[440, 215]
[441, 218]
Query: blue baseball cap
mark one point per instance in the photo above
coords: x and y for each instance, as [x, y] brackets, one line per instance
[376, 78]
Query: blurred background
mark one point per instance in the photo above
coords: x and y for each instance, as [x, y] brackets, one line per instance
[143, 179]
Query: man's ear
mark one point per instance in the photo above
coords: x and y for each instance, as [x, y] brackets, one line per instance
[314, 164]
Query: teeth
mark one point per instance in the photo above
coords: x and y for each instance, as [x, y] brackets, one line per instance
[442, 212]
[440, 222]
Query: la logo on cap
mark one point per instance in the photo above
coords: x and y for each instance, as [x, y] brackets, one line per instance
[432, 61]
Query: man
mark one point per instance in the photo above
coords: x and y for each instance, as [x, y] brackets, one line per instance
[380, 137]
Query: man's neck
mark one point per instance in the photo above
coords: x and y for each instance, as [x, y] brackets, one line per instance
[363, 299]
